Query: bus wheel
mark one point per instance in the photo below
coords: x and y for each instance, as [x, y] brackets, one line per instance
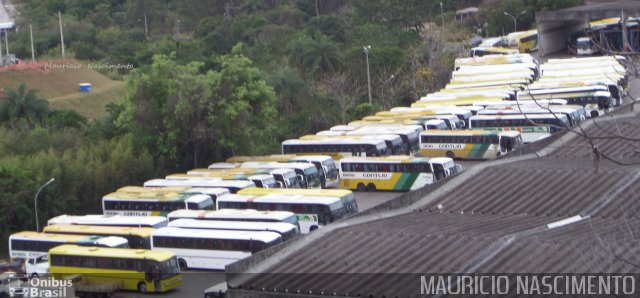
[450, 155]
[34, 275]
[594, 114]
[142, 287]
[361, 187]
[371, 187]
[313, 228]
[182, 263]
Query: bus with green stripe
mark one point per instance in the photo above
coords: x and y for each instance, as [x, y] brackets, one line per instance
[393, 173]
[153, 203]
[468, 144]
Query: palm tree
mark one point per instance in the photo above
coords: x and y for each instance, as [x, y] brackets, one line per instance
[22, 104]
[317, 55]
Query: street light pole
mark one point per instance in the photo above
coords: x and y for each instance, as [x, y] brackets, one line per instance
[35, 201]
[442, 15]
[366, 55]
[515, 19]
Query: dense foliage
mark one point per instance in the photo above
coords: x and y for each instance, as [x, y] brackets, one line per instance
[213, 79]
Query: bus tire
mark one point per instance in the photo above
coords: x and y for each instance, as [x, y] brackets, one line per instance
[450, 154]
[34, 275]
[594, 114]
[361, 187]
[313, 228]
[142, 287]
[182, 264]
[371, 187]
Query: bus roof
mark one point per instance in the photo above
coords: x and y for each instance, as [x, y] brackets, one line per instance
[458, 132]
[114, 220]
[345, 141]
[520, 116]
[325, 192]
[280, 227]
[75, 250]
[217, 234]
[98, 230]
[156, 197]
[281, 198]
[387, 159]
[278, 165]
[64, 238]
[231, 214]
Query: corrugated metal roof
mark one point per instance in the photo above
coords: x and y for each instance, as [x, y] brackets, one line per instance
[496, 223]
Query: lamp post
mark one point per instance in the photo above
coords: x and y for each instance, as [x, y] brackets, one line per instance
[35, 201]
[515, 19]
[442, 15]
[366, 55]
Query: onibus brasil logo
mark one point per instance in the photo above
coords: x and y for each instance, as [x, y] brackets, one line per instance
[24, 286]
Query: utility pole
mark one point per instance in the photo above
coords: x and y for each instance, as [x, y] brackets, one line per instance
[366, 55]
[33, 54]
[61, 35]
[146, 29]
[442, 15]
[6, 40]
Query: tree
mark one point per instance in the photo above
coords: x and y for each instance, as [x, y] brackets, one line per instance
[340, 89]
[317, 56]
[22, 104]
[193, 117]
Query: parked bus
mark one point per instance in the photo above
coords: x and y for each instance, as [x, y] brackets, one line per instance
[543, 124]
[396, 173]
[482, 51]
[336, 148]
[491, 77]
[138, 237]
[136, 269]
[346, 196]
[286, 230]
[575, 114]
[211, 249]
[110, 220]
[596, 102]
[232, 185]
[408, 133]
[312, 212]
[394, 142]
[213, 192]
[324, 163]
[480, 69]
[307, 172]
[194, 182]
[29, 244]
[468, 144]
[617, 91]
[237, 215]
[147, 204]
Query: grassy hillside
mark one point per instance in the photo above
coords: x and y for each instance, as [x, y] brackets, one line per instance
[60, 86]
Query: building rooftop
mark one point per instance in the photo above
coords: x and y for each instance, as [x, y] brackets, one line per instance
[565, 208]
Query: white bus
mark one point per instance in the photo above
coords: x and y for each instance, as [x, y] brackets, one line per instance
[408, 133]
[237, 215]
[543, 124]
[394, 142]
[324, 163]
[468, 144]
[595, 101]
[616, 90]
[286, 230]
[210, 249]
[308, 173]
[336, 148]
[153, 203]
[110, 220]
[575, 114]
[196, 181]
[312, 212]
[29, 244]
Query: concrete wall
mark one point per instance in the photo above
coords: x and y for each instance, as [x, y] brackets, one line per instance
[553, 35]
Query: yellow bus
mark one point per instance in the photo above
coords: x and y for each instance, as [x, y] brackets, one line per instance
[137, 269]
[138, 237]
[346, 196]
[153, 203]
[395, 173]
[482, 51]
[468, 144]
